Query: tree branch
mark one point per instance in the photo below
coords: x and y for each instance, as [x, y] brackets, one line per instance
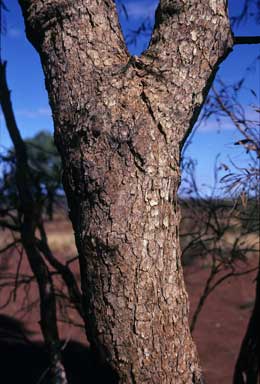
[246, 40]
[5, 224]
[11, 245]
[30, 213]
[64, 271]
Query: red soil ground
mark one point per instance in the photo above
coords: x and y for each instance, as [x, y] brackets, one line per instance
[223, 321]
[218, 333]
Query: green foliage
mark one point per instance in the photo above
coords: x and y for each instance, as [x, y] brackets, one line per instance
[44, 161]
[45, 171]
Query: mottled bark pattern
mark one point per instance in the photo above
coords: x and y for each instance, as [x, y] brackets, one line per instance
[119, 124]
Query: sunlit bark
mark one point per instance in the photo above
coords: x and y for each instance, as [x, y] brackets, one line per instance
[119, 126]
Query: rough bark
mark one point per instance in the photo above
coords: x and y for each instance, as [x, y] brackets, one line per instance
[119, 125]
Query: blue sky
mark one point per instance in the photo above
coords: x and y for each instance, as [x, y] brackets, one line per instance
[30, 101]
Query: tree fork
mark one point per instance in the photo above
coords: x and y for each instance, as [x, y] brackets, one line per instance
[119, 134]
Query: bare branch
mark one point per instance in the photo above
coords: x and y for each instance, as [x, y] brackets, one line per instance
[9, 246]
[246, 40]
[6, 224]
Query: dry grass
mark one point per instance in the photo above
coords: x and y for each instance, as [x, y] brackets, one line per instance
[59, 232]
[62, 242]
[61, 236]
[219, 231]
[248, 242]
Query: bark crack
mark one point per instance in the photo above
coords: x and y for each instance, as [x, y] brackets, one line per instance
[138, 159]
[91, 20]
[147, 102]
[121, 179]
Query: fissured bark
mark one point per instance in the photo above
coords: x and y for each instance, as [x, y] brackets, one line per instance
[119, 125]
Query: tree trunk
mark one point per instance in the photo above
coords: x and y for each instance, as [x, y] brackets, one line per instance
[119, 126]
[247, 366]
